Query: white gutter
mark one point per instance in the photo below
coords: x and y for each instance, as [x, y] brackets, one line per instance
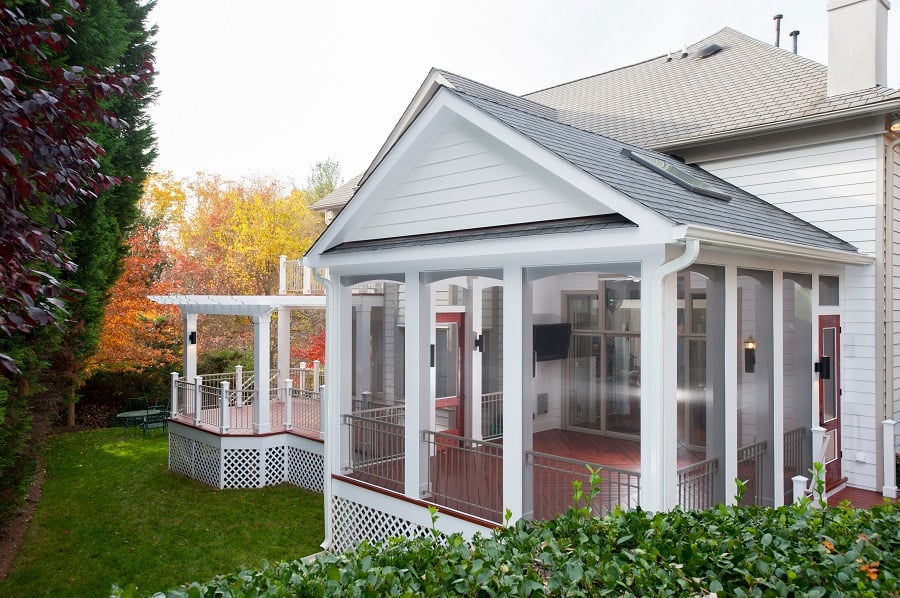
[757, 244]
[329, 436]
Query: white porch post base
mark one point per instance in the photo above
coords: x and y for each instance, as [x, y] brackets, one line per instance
[890, 459]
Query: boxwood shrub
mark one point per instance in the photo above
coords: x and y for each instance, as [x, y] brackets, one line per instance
[734, 551]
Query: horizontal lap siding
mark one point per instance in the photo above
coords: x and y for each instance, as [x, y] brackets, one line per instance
[833, 186]
[468, 180]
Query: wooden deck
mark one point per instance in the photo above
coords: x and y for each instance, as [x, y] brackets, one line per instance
[858, 498]
[305, 416]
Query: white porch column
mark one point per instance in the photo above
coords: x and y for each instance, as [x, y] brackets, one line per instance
[284, 343]
[363, 355]
[190, 348]
[777, 415]
[517, 400]
[282, 274]
[418, 383]
[262, 371]
[476, 305]
[659, 421]
[339, 378]
[732, 346]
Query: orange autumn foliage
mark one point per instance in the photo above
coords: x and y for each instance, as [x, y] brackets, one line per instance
[138, 333]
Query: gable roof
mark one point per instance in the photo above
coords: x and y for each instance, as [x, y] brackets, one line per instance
[748, 84]
[602, 157]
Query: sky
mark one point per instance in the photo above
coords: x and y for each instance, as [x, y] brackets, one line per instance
[271, 87]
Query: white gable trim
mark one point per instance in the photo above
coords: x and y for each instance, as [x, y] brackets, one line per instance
[444, 107]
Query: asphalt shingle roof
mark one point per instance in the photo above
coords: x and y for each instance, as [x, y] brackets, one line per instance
[340, 196]
[660, 102]
[528, 229]
[602, 158]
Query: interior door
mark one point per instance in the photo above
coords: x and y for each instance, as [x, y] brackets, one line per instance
[829, 370]
[449, 365]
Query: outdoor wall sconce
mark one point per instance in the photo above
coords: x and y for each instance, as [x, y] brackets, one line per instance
[823, 367]
[192, 337]
[749, 354]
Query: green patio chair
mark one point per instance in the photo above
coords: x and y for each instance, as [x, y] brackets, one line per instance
[156, 421]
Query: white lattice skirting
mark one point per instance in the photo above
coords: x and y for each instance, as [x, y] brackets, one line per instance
[355, 521]
[245, 461]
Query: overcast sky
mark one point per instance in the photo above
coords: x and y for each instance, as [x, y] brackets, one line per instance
[272, 86]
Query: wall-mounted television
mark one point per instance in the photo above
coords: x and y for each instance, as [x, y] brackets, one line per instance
[551, 341]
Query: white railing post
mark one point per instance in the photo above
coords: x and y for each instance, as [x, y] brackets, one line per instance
[239, 385]
[317, 371]
[173, 401]
[307, 282]
[225, 423]
[288, 404]
[198, 399]
[799, 485]
[818, 439]
[323, 409]
[890, 459]
[302, 377]
[282, 274]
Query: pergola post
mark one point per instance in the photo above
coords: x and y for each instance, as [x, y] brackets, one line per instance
[284, 343]
[418, 381]
[261, 339]
[189, 321]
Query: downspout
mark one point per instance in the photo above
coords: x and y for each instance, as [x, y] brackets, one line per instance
[691, 251]
[329, 436]
[887, 284]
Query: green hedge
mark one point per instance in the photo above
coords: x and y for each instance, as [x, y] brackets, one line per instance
[734, 551]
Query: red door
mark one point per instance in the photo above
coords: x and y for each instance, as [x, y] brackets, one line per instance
[449, 373]
[829, 369]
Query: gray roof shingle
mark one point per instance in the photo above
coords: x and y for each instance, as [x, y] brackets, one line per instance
[662, 103]
[602, 158]
[339, 197]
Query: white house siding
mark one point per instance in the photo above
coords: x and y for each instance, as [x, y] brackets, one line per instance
[468, 180]
[833, 185]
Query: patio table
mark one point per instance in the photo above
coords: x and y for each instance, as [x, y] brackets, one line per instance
[135, 418]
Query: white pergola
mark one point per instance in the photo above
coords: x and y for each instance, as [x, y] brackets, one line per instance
[258, 307]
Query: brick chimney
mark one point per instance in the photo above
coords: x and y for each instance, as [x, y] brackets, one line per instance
[857, 44]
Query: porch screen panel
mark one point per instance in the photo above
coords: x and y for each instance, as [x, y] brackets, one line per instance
[798, 373]
[755, 385]
[701, 385]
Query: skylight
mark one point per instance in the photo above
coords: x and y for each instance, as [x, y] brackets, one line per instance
[675, 174]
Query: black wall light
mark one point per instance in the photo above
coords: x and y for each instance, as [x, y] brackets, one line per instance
[192, 337]
[750, 354]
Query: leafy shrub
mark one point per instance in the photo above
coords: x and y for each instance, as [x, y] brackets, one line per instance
[217, 362]
[111, 387]
[740, 551]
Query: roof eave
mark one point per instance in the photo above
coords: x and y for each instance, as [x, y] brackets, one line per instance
[716, 237]
[797, 123]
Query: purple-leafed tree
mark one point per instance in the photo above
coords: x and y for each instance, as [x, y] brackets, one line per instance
[48, 162]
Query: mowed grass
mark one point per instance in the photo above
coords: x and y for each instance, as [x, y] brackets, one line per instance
[111, 513]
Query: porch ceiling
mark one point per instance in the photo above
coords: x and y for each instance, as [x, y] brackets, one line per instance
[237, 305]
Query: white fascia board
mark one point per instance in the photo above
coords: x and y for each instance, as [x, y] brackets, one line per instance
[443, 107]
[709, 236]
[434, 81]
[568, 173]
[237, 305]
[619, 245]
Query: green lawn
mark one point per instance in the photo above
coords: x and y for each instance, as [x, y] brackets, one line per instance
[112, 514]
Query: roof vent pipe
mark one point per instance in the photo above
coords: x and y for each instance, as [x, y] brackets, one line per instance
[795, 34]
[778, 30]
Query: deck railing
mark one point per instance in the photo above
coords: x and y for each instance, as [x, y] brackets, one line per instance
[554, 478]
[751, 468]
[492, 415]
[465, 474]
[212, 401]
[377, 445]
[797, 458]
[294, 277]
[696, 485]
